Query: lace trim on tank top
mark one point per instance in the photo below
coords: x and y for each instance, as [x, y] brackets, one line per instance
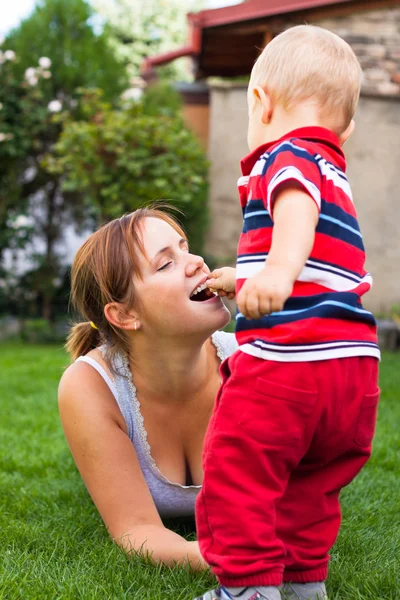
[126, 371]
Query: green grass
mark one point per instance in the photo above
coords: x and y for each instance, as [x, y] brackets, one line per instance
[53, 544]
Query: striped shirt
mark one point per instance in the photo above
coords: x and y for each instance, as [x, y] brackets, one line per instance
[324, 317]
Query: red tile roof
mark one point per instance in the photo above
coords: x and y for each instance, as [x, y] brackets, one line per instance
[255, 9]
[226, 41]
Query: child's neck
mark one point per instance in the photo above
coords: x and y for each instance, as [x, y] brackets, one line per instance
[303, 115]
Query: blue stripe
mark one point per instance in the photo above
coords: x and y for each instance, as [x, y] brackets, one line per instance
[332, 229]
[333, 305]
[287, 147]
[254, 205]
[327, 302]
[336, 212]
[256, 214]
[253, 254]
[337, 222]
[305, 302]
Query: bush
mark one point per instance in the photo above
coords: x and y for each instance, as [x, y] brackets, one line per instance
[119, 160]
[41, 331]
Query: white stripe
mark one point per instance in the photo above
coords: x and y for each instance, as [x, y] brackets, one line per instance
[245, 270]
[311, 262]
[332, 281]
[243, 181]
[320, 346]
[310, 356]
[330, 173]
[259, 166]
[290, 173]
[340, 271]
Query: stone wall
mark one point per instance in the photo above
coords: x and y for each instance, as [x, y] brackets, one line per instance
[375, 37]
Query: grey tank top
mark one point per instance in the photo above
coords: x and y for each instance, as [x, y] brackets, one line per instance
[171, 499]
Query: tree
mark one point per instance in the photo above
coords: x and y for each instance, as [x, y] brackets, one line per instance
[133, 156]
[142, 28]
[50, 54]
[64, 31]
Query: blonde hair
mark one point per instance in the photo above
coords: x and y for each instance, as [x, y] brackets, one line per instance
[102, 272]
[307, 62]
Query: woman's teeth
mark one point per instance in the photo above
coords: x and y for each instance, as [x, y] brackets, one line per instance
[200, 289]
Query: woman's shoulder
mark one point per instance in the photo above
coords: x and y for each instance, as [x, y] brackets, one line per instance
[225, 343]
[86, 381]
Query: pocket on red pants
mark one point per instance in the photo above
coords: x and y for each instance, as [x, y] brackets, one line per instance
[276, 414]
[366, 421]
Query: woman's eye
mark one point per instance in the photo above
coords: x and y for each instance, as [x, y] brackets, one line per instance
[164, 266]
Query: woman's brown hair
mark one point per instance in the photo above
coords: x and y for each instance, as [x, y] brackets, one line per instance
[103, 272]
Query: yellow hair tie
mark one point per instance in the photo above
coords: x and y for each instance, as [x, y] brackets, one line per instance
[93, 325]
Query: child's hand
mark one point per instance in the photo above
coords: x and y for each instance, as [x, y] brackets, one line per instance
[222, 281]
[265, 292]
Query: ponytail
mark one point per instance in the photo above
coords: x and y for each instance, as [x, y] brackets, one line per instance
[82, 338]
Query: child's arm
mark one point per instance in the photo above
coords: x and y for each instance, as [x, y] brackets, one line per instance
[222, 281]
[295, 219]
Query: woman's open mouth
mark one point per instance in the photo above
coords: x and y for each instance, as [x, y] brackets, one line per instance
[202, 293]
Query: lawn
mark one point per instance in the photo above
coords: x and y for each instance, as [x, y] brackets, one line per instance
[53, 544]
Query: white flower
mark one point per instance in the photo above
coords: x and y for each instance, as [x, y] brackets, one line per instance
[1, 105]
[44, 62]
[32, 80]
[138, 82]
[46, 74]
[54, 106]
[21, 221]
[133, 94]
[6, 136]
[9, 55]
[30, 72]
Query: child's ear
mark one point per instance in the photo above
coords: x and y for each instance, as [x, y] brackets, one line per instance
[263, 97]
[344, 136]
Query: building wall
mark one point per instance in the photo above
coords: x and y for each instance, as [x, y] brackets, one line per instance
[196, 117]
[373, 156]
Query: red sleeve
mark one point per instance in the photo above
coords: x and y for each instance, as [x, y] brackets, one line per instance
[289, 162]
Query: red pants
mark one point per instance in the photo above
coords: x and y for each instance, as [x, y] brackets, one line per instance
[283, 440]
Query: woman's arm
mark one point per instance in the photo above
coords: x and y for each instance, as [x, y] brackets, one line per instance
[96, 434]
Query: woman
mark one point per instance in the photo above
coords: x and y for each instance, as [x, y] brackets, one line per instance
[136, 402]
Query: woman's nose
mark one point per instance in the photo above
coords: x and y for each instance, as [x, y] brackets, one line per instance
[194, 264]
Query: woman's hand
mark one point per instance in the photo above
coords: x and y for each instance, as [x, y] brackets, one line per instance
[222, 281]
[163, 546]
